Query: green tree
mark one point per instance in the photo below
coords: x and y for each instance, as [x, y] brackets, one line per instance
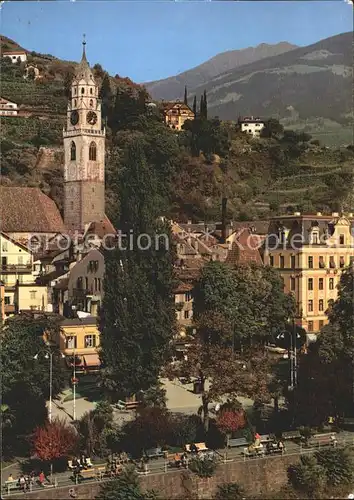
[155, 396]
[229, 373]
[68, 78]
[201, 107]
[247, 302]
[94, 428]
[205, 105]
[149, 429]
[25, 380]
[272, 129]
[138, 315]
[338, 465]
[325, 375]
[105, 95]
[185, 95]
[308, 476]
[206, 136]
[125, 487]
[195, 106]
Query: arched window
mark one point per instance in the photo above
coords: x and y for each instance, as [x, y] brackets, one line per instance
[74, 103]
[92, 151]
[73, 151]
[91, 90]
[82, 90]
[91, 103]
[74, 91]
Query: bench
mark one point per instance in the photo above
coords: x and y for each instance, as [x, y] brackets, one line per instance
[291, 435]
[87, 474]
[11, 485]
[199, 446]
[236, 442]
[349, 422]
[154, 453]
[265, 438]
[328, 439]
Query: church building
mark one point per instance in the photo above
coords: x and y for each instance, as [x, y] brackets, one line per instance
[84, 152]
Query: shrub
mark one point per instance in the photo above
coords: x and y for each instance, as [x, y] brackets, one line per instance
[203, 467]
[308, 477]
[184, 429]
[338, 465]
[230, 491]
[125, 487]
[306, 433]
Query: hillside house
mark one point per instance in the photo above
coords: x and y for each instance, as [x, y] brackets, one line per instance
[176, 113]
[15, 55]
[8, 108]
[251, 125]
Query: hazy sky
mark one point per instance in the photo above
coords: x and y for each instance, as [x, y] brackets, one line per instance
[148, 40]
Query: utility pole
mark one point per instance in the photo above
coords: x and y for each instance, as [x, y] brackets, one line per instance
[74, 386]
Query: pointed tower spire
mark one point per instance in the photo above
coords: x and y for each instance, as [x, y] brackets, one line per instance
[83, 71]
[83, 48]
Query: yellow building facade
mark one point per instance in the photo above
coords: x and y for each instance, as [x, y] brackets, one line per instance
[176, 114]
[310, 252]
[80, 339]
[16, 268]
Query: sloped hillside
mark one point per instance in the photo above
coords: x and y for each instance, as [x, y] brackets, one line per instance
[308, 88]
[208, 160]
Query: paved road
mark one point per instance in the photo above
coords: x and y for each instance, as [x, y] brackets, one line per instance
[180, 398]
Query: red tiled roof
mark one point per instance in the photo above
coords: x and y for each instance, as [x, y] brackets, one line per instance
[245, 250]
[101, 228]
[183, 288]
[28, 210]
[22, 51]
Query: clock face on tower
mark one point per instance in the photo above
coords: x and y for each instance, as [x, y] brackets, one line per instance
[91, 117]
[74, 118]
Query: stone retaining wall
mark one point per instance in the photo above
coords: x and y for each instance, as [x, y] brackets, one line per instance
[258, 477]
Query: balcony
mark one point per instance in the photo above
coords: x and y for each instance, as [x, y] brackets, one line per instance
[88, 131]
[15, 268]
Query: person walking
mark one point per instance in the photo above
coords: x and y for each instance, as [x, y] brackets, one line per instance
[41, 478]
[22, 482]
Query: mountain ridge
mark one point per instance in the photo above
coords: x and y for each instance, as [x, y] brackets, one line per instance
[214, 66]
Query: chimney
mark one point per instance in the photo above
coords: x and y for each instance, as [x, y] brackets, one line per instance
[223, 220]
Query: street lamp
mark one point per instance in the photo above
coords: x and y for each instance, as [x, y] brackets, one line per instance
[49, 355]
[292, 355]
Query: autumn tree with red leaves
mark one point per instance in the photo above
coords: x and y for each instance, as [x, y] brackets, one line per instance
[230, 421]
[54, 440]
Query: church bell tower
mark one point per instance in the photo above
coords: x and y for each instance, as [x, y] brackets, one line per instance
[84, 150]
